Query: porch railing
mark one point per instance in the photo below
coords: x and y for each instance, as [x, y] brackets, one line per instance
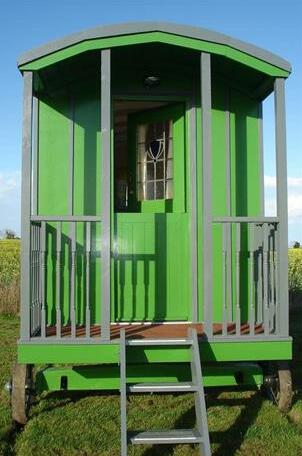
[249, 260]
[56, 227]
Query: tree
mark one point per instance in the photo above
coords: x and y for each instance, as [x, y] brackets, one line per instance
[296, 245]
[9, 234]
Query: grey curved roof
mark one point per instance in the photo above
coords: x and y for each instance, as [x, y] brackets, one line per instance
[130, 28]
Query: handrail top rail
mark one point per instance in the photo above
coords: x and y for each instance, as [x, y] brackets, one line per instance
[65, 218]
[245, 219]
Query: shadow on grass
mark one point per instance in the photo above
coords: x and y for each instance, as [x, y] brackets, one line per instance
[229, 441]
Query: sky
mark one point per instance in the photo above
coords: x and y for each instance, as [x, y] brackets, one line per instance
[272, 24]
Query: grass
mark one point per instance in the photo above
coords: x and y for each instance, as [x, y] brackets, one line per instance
[9, 277]
[241, 423]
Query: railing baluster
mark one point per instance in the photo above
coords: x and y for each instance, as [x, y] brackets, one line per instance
[58, 280]
[277, 259]
[43, 277]
[265, 279]
[230, 271]
[238, 246]
[272, 278]
[252, 304]
[224, 281]
[88, 249]
[260, 273]
[72, 279]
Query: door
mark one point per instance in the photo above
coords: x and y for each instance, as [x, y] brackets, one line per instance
[152, 267]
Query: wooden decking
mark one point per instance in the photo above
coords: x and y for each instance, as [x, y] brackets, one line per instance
[154, 330]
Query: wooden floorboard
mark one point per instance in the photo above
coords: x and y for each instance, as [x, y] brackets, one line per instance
[154, 330]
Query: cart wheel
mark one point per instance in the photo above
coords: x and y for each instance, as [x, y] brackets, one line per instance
[279, 386]
[21, 389]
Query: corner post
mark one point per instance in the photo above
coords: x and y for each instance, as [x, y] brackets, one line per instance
[26, 204]
[206, 112]
[105, 192]
[281, 168]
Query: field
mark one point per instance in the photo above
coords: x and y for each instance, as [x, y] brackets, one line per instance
[241, 423]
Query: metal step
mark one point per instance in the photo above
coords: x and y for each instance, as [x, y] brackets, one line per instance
[180, 387]
[166, 437]
[161, 342]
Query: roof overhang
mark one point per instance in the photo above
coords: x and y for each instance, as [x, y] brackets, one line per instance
[139, 32]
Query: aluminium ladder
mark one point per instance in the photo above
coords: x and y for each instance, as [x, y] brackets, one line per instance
[199, 435]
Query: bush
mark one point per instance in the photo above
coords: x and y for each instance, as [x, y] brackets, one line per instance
[295, 272]
[9, 277]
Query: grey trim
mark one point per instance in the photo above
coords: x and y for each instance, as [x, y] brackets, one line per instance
[35, 155]
[43, 252]
[261, 158]
[246, 219]
[193, 188]
[58, 280]
[65, 218]
[26, 205]
[145, 27]
[206, 107]
[281, 165]
[105, 191]
[72, 313]
[123, 393]
[71, 158]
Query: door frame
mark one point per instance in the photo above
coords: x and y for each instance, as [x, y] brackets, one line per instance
[190, 105]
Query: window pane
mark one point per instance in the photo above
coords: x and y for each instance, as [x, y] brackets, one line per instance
[160, 190]
[154, 160]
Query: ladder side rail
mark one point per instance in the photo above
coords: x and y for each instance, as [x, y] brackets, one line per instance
[123, 393]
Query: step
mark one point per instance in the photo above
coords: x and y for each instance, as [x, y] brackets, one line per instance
[173, 387]
[166, 437]
[162, 342]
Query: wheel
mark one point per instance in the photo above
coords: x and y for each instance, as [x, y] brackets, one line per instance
[21, 389]
[278, 385]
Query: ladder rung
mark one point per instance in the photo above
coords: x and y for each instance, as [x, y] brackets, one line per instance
[162, 342]
[166, 437]
[162, 387]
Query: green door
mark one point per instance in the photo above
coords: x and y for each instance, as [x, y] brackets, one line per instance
[151, 267]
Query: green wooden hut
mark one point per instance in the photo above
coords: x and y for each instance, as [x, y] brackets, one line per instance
[145, 245]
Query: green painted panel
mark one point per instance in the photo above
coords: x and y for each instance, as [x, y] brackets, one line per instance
[222, 351]
[108, 377]
[161, 37]
[152, 274]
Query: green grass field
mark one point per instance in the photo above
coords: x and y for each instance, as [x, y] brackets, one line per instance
[240, 423]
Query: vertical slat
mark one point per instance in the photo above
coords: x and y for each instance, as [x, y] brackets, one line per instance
[105, 191]
[43, 278]
[193, 184]
[26, 205]
[238, 252]
[72, 279]
[271, 277]
[230, 271]
[35, 159]
[260, 275]
[252, 294]
[265, 279]
[206, 107]
[88, 250]
[58, 280]
[281, 168]
[277, 272]
[224, 280]
[123, 398]
[71, 159]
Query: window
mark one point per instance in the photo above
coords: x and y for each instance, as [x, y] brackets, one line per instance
[154, 161]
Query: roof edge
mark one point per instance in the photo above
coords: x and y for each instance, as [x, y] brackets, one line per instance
[129, 28]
